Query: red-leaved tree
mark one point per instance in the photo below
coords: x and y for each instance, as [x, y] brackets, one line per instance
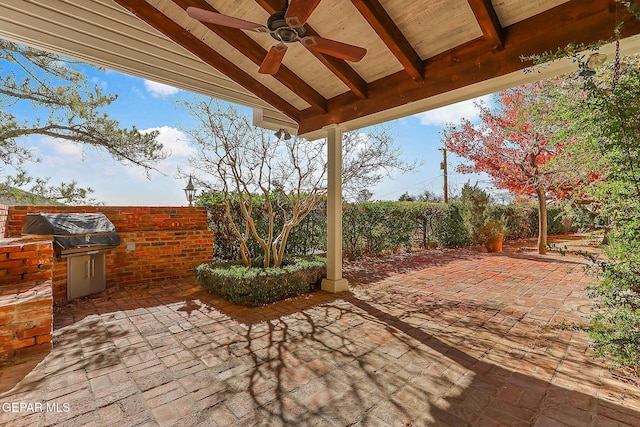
[513, 144]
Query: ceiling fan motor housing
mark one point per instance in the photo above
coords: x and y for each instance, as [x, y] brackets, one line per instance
[281, 31]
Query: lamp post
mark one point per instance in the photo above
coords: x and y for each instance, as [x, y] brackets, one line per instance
[190, 191]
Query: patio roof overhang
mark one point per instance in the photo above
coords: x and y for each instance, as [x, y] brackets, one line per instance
[421, 55]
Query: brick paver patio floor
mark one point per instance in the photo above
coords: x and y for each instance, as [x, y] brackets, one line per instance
[457, 338]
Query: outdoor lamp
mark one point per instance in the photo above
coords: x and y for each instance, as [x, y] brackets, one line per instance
[283, 133]
[190, 191]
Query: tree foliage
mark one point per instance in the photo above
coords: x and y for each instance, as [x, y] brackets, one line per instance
[66, 107]
[482, 219]
[604, 112]
[514, 145]
[363, 196]
[42, 192]
[406, 197]
[429, 196]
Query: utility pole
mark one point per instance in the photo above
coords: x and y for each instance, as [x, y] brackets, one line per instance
[443, 166]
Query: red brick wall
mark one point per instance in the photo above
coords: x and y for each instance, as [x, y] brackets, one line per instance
[26, 308]
[125, 218]
[157, 243]
[25, 261]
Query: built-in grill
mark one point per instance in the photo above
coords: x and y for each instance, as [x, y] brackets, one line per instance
[82, 238]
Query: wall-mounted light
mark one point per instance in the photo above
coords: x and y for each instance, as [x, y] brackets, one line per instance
[282, 133]
[190, 191]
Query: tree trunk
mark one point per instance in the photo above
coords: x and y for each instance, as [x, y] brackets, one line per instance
[542, 220]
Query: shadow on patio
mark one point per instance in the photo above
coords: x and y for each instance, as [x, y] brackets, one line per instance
[435, 343]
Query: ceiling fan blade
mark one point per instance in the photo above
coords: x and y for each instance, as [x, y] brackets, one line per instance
[299, 11]
[224, 20]
[335, 48]
[272, 61]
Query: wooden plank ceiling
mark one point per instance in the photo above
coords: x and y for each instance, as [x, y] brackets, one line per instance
[415, 49]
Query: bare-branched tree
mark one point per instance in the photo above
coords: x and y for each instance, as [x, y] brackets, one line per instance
[284, 178]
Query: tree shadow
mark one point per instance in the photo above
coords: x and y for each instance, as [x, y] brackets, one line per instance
[515, 388]
[316, 365]
[71, 345]
[373, 356]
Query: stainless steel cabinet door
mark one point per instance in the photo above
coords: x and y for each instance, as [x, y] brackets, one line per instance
[86, 275]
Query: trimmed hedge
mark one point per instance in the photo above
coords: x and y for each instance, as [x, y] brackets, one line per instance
[255, 286]
[376, 227]
[452, 231]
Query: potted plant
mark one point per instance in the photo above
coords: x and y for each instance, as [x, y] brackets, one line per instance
[493, 230]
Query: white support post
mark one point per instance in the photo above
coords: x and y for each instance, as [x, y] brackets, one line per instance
[334, 282]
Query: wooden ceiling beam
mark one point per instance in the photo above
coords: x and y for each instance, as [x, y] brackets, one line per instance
[489, 23]
[256, 53]
[338, 67]
[175, 32]
[575, 21]
[390, 34]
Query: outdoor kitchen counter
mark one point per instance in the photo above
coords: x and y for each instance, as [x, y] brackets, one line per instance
[26, 302]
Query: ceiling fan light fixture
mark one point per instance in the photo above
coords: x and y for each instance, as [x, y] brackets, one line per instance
[285, 26]
[286, 35]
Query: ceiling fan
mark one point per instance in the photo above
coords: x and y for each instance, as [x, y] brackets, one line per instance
[286, 26]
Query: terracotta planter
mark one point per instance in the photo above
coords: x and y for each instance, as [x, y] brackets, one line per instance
[494, 245]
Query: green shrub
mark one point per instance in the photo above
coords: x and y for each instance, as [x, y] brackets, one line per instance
[474, 203]
[555, 223]
[453, 232]
[310, 237]
[255, 286]
[519, 224]
[616, 324]
[375, 227]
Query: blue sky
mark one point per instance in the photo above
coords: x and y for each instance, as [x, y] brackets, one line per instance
[152, 106]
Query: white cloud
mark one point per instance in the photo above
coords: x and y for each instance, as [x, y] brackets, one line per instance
[93, 165]
[174, 141]
[452, 113]
[160, 90]
[97, 81]
[61, 151]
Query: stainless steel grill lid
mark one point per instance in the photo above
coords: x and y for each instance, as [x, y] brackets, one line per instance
[73, 230]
